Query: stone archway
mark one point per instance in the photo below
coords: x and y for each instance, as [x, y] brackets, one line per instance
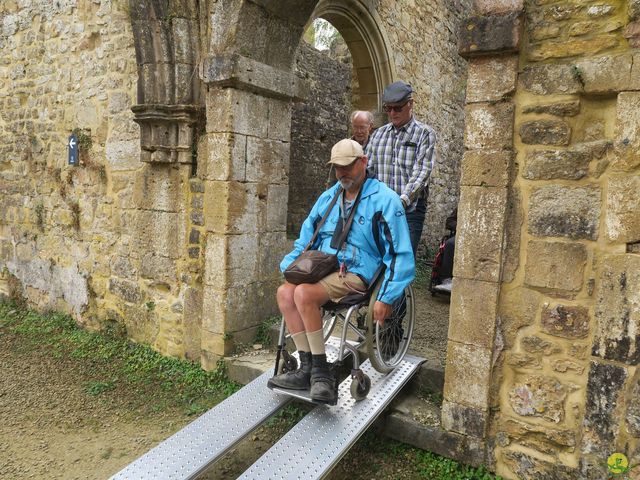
[361, 29]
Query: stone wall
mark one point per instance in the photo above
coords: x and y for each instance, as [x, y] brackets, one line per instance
[423, 38]
[546, 293]
[317, 123]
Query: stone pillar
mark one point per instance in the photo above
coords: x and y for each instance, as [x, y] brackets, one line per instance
[244, 163]
[490, 43]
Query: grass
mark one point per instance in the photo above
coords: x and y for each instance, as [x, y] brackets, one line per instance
[117, 366]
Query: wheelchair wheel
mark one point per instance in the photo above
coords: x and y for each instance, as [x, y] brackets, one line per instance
[388, 344]
[288, 363]
[360, 391]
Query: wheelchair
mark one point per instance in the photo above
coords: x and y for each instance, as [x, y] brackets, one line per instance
[385, 345]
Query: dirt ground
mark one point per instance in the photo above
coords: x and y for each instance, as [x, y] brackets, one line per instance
[51, 428]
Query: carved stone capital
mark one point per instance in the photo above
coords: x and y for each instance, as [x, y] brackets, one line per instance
[166, 132]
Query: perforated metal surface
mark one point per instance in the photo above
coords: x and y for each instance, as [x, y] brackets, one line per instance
[189, 451]
[313, 447]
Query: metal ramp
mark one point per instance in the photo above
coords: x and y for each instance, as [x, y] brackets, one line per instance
[190, 451]
[323, 436]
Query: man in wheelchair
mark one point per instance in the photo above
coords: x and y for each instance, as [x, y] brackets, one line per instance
[379, 235]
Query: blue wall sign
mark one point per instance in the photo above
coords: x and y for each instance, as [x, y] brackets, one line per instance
[73, 149]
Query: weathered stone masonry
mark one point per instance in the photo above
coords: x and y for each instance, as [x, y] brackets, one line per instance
[549, 232]
[175, 221]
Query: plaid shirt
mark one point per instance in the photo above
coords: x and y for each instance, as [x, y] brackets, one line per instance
[403, 158]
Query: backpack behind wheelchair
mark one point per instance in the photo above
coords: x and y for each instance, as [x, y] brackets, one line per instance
[385, 345]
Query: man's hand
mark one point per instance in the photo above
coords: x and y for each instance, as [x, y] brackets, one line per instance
[381, 311]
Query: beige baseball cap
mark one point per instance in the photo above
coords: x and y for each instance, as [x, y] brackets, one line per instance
[345, 152]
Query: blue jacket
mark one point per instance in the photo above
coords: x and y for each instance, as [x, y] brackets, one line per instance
[379, 234]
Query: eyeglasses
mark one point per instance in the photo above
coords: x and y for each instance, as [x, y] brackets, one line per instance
[396, 108]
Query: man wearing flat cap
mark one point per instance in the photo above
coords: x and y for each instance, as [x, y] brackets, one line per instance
[401, 154]
[378, 236]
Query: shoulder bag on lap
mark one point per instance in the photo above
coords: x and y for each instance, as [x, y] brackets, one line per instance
[311, 266]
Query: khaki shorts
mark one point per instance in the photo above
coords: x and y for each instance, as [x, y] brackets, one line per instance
[339, 286]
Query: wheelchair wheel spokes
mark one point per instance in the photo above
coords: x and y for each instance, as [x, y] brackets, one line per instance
[388, 344]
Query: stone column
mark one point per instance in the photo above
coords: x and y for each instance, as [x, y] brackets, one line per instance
[490, 43]
[244, 163]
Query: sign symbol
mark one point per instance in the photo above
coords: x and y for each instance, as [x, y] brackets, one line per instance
[73, 149]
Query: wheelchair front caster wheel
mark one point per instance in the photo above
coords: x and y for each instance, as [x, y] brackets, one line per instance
[360, 387]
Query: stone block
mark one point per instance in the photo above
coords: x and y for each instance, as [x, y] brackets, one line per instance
[528, 467]
[236, 111]
[277, 198]
[545, 132]
[280, 120]
[601, 423]
[123, 155]
[214, 315]
[491, 79]
[214, 347]
[246, 74]
[235, 208]
[192, 319]
[215, 260]
[607, 74]
[573, 47]
[467, 375]
[490, 34]
[159, 232]
[627, 128]
[558, 109]
[462, 419]
[559, 211]
[473, 312]
[632, 413]
[520, 361]
[486, 7]
[141, 323]
[555, 265]
[518, 308]
[627, 132]
[126, 290]
[463, 448]
[249, 305]
[542, 438]
[222, 156]
[158, 268]
[272, 248]
[550, 79]
[571, 164]
[481, 216]
[622, 205]
[158, 187]
[486, 168]
[537, 345]
[564, 366]
[538, 396]
[513, 228]
[634, 9]
[489, 126]
[617, 311]
[267, 161]
[565, 321]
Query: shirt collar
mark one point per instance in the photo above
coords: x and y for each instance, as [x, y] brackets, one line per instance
[404, 127]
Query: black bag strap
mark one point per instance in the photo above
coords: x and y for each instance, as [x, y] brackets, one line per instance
[347, 226]
[324, 217]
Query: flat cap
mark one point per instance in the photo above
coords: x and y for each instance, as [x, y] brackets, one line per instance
[396, 92]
